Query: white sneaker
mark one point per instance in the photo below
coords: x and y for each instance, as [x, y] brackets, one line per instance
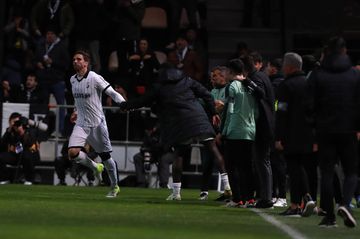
[173, 197]
[114, 192]
[280, 202]
[28, 183]
[203, 196]
[4, 182]
[274, 200]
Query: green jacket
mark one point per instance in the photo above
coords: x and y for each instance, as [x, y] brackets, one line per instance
[218, 94]
[241, 112]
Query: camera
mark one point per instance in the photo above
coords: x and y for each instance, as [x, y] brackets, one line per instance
[147, 161]
[29, 122]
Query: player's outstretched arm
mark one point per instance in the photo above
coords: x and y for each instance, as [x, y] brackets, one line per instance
[114, 95]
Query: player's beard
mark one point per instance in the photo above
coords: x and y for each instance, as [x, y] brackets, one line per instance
[78, 67]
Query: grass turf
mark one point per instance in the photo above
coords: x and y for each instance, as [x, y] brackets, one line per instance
[82, 212]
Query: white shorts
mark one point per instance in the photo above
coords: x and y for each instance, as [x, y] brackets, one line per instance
[97, 137]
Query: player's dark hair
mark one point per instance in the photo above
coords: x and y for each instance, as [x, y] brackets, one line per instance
[85, 54]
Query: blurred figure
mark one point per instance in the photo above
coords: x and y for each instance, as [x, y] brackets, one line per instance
[188, 60]
[51, 63]
[126, 18]
[17, 39]
[144, 67]
[332, 102]
[52, 13]
[152, 152]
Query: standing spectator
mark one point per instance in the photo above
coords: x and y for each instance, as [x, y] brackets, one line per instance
[126, 16]
[188, 60]
[294, 135]
[238, 132]
[58, 13]
[174, 9]
[31, 93]
[333, 101]
[51, 62]
[144, 67]
[17, 39]
[197, 44]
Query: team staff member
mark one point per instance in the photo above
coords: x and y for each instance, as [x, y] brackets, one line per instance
[182, 118]
[87, 88]
[334, 101]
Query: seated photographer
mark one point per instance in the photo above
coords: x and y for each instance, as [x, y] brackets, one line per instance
[63, 163]
[19, 144]
[152, 152]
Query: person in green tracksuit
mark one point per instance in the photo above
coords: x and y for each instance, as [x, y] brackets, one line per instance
[238, 133]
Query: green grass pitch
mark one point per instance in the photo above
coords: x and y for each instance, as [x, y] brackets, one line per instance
[51, 212]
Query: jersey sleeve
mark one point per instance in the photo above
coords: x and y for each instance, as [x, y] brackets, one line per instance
[100, 83]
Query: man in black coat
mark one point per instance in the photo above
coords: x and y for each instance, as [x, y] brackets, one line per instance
[333, 103]
[294, 135]
[182, 118]
[264, 130]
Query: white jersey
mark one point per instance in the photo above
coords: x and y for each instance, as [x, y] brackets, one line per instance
[87, 94]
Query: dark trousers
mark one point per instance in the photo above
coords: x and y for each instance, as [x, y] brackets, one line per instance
[162, 164]
[331, 148]
[263, 169]
[311, 166]
[208, 160]
[299, 182]
[238, 157]
[278, 167]
[207, 165]
[27, 159]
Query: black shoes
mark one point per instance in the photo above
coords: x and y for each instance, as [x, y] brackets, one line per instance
[224, 197]
[327, 222]
[349, 220]
[263, 203]
[291, 212]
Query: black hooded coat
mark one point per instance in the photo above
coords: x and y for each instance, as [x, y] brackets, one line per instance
[180, 113]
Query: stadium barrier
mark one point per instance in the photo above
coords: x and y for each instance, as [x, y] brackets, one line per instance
[123, 150]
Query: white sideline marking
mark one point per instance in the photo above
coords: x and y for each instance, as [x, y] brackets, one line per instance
[283, 227]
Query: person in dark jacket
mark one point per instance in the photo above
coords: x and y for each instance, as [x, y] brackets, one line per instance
[294, 135]
[21, 146]
[182, 118]
[333, 103]
[31, 93]
[264, 94]
[278, 164]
